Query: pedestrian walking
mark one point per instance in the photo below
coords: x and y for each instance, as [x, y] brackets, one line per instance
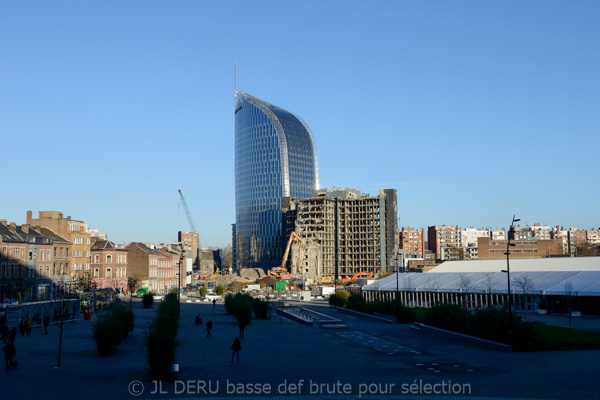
[242, 326]
[5, 333]
[209, 326]
[46, 322]
[9, 354]
[29, 325]
[198, 320]
[214, 303]
[236, 347]
[22, 326]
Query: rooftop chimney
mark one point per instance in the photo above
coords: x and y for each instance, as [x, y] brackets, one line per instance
[29, 215]
[25, 228]
[13, 227]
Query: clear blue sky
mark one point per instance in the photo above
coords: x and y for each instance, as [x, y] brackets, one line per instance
[474, 111]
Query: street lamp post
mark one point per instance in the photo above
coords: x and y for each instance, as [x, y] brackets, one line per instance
[510, 234]
[397, 289]
[181, 258]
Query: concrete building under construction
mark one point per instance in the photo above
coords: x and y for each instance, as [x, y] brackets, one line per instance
[363, 229]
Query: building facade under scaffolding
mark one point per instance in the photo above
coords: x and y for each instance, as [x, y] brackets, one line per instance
[362, 229]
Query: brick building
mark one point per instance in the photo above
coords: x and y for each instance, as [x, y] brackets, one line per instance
[72, 230]
[109, 265]
[529, 248]
[413, 241]
[144, 260]
[192, 242]
[442, 236]
[13, 261]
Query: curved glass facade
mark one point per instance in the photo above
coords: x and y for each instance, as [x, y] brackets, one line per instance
[275, 157]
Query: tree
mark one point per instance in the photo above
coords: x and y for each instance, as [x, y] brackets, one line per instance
[133, 282]
[465, 285]
[220, 290]
[587, 250]
[83, 282]
[487, 284]
[227, 257]
[525, 286]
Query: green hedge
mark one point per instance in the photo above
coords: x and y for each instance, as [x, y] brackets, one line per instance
[161, 338]
[261, 309]
[339, 298]
[357, 302]
[112, 328]
[148, 300]
[491, 323]
[240, 306]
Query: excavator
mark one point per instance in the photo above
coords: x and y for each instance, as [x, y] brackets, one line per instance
[281, 272]
[357, 275]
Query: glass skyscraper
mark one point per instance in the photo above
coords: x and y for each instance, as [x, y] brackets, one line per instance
[275, 157]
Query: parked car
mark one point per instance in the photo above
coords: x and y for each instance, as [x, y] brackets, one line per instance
[212, 296]
[158, 297]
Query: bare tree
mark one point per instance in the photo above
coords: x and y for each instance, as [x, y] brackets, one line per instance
[487, 285]
[133, 282]
[465, 285]
[83, 282]
[407, 285]
[525, 286]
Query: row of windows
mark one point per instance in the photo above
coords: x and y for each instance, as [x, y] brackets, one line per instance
[120, 259]
[120, 272]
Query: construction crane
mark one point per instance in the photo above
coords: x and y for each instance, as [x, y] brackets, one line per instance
[188, 214]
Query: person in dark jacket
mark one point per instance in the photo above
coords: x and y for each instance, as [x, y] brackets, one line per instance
[242, 326]
[209, 326]
[9, 353]
[236, 347]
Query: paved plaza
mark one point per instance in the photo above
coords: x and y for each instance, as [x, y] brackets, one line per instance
[285, 359]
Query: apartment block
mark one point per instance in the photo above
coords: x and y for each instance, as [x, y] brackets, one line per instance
[192, 242]
[412, 241]
[442, 236]
[61, 254]
[363, 228]
[143, 260]
[13, 253]
[109, 265]
[72, 230]
[468, 236]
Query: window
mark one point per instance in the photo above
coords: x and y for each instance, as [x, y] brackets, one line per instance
[96, 273]
[108, 273]
[41, 255]
[96, 259]
[67, 251]
[41, 270]
[109, 259]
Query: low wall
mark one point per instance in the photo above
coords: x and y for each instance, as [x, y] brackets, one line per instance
[293, 316]
[367, 316]
[462, 337]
